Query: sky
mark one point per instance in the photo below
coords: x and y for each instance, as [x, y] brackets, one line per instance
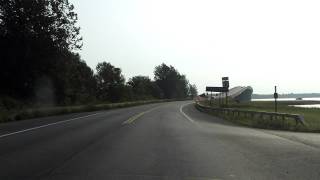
[255, 43]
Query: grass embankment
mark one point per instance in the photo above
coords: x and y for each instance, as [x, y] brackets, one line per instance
[21, 114]
[311, 115]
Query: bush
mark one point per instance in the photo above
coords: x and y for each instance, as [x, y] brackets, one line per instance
[7, 103]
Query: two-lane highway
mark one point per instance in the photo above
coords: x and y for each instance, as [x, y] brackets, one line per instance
[157, 141]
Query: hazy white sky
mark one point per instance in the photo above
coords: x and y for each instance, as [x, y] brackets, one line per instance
[257, 43]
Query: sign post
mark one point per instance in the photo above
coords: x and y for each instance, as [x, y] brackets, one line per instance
[216, 89]
[275, 99]
[225, 84]
[223, 89]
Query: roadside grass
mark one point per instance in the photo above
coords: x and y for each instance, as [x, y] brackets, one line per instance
[28, 113]
[311, 115]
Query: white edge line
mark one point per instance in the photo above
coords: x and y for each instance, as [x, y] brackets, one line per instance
[184, 114]
[43, 126]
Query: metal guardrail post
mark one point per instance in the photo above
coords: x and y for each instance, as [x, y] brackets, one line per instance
[301, 119]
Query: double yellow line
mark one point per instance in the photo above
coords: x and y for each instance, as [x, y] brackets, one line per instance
[137, 116]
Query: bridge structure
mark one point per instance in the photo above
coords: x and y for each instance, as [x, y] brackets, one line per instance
[238, 93]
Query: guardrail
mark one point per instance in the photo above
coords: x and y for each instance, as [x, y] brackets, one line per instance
[253, 114]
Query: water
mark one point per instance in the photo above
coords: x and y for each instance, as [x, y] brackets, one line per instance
[294, 99]
[308, 106]
[289, 99]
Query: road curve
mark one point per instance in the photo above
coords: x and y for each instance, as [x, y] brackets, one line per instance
[158, 141]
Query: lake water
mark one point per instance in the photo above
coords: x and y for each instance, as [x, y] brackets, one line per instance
[293, 99]
[308, 106]
[288, 99]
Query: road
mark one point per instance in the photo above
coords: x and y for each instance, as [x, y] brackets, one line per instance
[158, 141]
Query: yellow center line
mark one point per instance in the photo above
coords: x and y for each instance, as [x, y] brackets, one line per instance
[137, 116]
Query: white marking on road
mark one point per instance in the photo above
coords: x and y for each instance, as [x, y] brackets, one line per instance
[43, 126]
[184, 114]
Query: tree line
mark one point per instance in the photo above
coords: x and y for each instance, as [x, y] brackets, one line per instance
[39, 63]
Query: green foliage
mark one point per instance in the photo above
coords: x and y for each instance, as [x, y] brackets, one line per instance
[143, 88]
[110, 82]
[80, 83]
[140, 85]
[172, 83]
[7, 103]
[39, 66]
[193, 91]
[36, 40]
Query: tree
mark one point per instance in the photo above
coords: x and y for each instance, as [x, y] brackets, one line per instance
[156, 90]
[79, 81]
[144, 88]
[193, 91]
[36, 38]
[110, 82]
[171, 82]
[141, 86]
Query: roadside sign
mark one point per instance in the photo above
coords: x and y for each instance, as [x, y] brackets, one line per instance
[225, 84]
[216, 89]
[209, 89]
[223, 89]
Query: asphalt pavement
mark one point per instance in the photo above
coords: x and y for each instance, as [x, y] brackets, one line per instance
[156, 141]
